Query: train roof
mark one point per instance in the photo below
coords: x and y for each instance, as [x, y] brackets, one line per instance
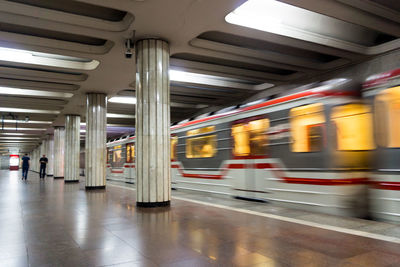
[335, 87]
[381, 78]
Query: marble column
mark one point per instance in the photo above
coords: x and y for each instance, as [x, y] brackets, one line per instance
[35, 162]
[59, 144]
[50, 155]
[43, 148]
[95, 143]
[32, 166]
[152, 124]
[71, 148]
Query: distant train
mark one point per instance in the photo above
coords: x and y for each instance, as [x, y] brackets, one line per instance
[332, 148]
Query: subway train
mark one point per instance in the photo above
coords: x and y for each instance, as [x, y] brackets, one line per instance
[332, 148]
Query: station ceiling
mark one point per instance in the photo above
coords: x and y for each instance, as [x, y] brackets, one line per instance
[222, 52]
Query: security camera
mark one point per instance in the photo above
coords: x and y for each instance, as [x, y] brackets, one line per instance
[128, 54]
[128, 46]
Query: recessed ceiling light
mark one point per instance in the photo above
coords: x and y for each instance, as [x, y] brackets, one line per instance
[18, 138]
[18, 91]
[121, 116]
[220, 81]
[17, 141]
[123, 100]
[132, 101]
[27, 122]
[112, 125]
[283, 19]
[25, 110]
[22, 129]
[252, 14]
[17, 134]
[46, 59]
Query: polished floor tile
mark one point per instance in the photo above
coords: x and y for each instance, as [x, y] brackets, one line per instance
[49, 223]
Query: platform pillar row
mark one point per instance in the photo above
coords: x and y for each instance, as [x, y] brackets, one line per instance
[32, 166]
[50, 155]
[36, 161]
[71, 148]
[43, 148]
[153, 178]
[95, 144]
[59, 144]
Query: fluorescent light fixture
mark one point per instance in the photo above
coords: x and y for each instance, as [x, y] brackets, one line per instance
[28, 92]
[123, 100]
[184, 105]
[17, 141]
[25, 110]
[121, 116]
[220, 81]
[112, 125]
[264, 15]
[18, 138]
[82, 131]
[27, 122]
[22, 129]
[288, 20]
[132, 101]
[45, 59]
[17, 134]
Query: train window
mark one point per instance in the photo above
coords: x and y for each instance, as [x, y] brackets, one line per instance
[353, 127]
[174, 142]
[117, 154]
[387, 116]
[250, 138]
[130, 153]
[307, 128]
[202, 146]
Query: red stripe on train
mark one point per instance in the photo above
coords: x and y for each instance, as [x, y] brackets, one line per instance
[315, 181]
[311, 181]
[203, 176]
[237, 166]
[386, 185]
[264, 104]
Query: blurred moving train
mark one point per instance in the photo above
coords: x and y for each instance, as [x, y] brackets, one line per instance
[333, 148]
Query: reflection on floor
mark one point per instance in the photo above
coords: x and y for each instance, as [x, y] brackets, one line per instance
[49, 223]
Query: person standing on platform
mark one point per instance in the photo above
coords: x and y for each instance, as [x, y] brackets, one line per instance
[43, 162]
[25, 166]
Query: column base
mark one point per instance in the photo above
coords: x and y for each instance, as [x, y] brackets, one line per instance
[95, 187]
[58, 177]
[71, 181]
[49, 175]
[153, 204]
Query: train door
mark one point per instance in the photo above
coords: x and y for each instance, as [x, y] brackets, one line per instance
[250, 146]
[130, 170]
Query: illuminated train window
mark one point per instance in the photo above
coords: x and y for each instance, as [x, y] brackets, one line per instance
[130, 153]
[353, 127]
[174, 142]
[387, 117]
[201, 145]
[307, 128]
[250, 137]
[117, 154]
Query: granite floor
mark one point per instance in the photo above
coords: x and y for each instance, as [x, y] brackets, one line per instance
[49, 223]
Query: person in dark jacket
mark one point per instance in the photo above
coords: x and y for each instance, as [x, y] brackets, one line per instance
[25, 166]
[43, 163]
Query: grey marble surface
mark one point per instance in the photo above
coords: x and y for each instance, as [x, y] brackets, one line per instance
[50, 223]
